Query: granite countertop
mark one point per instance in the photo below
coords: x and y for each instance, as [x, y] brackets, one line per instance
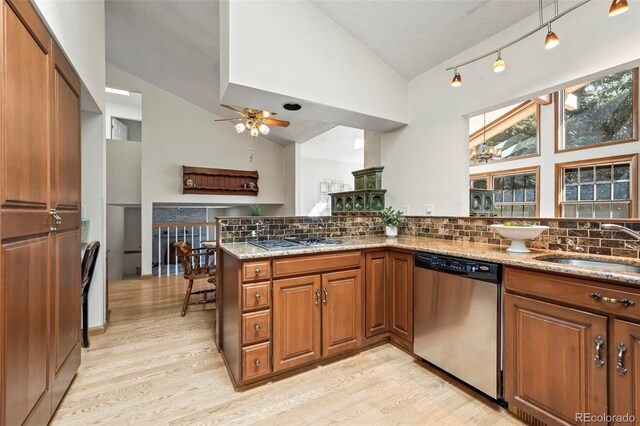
[475, 251]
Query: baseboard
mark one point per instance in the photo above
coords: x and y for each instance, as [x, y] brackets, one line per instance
[94, 331]
[146, 276]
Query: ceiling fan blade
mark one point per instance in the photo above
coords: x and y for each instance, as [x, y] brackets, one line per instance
[230, 108]
[229, 119]
[272, 122]
[266, 114]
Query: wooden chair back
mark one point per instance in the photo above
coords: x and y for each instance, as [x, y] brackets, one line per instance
[195, 262]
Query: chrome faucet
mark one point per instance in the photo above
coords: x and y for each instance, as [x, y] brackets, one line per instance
[614, 227]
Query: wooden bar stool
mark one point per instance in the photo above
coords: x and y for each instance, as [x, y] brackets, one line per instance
[195, 265]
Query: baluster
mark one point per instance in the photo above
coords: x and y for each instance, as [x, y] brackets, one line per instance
[159, 252]
[175, 269]
[168, 256]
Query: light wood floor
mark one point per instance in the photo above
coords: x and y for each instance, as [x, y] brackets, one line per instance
[154, 367]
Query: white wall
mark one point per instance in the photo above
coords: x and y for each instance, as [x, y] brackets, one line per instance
[178, 133]
[124, 172]
[120, 110]
[79, 27]
[312, 172]
[115, 242]
[93, 206]
[335, 75]
[427, 161]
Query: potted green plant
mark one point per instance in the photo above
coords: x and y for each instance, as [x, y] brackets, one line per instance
[256, 210]
[392, 219]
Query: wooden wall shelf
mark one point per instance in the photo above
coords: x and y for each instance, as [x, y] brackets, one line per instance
[202, 180]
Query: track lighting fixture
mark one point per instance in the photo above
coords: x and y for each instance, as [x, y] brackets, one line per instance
[457, 80]
[618, 7]
[499, 65]
[551, 40]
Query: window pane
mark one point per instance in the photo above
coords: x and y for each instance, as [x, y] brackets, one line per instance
[518, 182]
[620, 210]
[517, 211]
[518, 195]
[602, 210]
[603, 191]
[508, 196]
[498, 183]
[497, 197]
[530, 195]
[586, 192]
[531, 181]
[603, 173]
[585, 210]
[621, 172]
[508, 182]
[571, 193]
[586, 175]
[529, 211]
[599, 111]
[621, 190]
[506, 211]
[570, 176]
[569, 210]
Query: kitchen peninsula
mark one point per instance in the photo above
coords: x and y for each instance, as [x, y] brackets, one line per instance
[282, 312]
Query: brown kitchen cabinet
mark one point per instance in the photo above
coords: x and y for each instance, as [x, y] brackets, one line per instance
[377, 293]
[570, 347]
[39, 172]
[314, 316]
[401, 282]
[296, 321]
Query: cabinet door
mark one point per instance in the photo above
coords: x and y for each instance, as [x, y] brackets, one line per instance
[296, 321]
[554, 361]
[66, 242]
[376, 293]
[401, 279]
[341, 311]
[25, 285]
[624, 367]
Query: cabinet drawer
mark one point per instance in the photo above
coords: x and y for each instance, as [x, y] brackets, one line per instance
[255, 271]
[256, 326]
[316, 263]
[255, 296]
[592, 295]
[255, 361]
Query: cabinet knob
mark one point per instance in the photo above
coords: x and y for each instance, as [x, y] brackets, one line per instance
[257, 296]
[257, 362]
[257, 327]
[258, 270]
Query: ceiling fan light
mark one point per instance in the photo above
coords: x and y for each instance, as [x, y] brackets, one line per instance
[499, 65]
[457, 80]
[250, 124]
[240, 127]
[264, 129]
[254, 132]
[618, 7]
[551, 40]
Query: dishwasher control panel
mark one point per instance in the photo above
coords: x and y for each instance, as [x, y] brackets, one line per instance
[473, 269]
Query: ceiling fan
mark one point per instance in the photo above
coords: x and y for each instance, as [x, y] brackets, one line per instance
[254, 120]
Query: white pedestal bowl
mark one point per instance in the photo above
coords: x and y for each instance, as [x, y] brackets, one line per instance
[518, 235]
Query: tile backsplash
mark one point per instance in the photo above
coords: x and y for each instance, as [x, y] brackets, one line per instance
[584, 236]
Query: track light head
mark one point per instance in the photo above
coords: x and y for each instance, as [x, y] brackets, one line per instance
[499, 65]
[551, 40]
[618, 7]
[457, 80]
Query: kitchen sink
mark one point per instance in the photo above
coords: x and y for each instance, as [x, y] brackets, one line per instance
[597, 264]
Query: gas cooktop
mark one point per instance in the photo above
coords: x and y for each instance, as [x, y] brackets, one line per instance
[293, 243]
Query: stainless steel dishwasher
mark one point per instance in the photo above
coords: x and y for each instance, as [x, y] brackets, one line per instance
[457, 319]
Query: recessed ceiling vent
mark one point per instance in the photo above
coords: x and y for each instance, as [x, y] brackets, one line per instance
[292, 106]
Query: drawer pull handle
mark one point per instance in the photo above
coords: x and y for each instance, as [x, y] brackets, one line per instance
[257, 362]
[257, 327]
[317, 297]
[258, 296]
[621, 350]
[258, 270]
[326, 295]
[623, 302]
[599, 343]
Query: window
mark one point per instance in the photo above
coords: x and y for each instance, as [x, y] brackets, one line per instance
[597, 189]
[478, 183]
[515, 192]
[601, 111]
[513, 134]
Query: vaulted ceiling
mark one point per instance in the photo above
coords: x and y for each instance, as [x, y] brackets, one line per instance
[174, 44]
